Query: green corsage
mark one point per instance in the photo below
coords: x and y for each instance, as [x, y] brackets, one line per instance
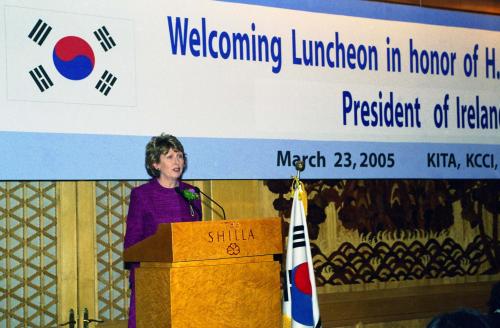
[190, 194]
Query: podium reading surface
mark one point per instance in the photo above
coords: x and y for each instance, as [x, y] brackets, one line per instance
[209, 274]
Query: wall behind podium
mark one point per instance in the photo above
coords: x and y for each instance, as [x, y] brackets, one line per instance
[344, 248]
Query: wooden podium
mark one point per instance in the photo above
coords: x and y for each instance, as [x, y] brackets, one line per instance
[209, 274]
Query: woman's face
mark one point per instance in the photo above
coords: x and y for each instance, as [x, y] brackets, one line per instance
[170, 165]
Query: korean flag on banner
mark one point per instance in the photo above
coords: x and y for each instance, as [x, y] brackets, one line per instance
[69, 58]
[300, 301]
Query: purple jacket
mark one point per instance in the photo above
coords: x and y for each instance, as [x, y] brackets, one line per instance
[152, 204]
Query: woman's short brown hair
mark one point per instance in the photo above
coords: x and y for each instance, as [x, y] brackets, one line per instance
[156, 147]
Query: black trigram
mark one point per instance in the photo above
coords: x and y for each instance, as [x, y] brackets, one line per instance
[105, 83]
[286, 289]
[299, 239]
[41, 78]
[39, 32]
[104, 38]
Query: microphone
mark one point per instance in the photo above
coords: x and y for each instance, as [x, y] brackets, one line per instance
[197, 190]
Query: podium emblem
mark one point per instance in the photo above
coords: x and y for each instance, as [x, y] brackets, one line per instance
[233, 249]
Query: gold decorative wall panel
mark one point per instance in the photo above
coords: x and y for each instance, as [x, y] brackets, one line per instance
[28, 254]
[112, 199]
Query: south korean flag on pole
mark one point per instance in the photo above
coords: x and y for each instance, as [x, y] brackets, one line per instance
[69, 58]
[300, 301]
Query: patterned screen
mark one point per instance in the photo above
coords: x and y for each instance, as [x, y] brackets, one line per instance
[112, 198]
[28, 254]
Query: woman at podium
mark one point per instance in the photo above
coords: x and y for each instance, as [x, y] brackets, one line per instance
[163, 199]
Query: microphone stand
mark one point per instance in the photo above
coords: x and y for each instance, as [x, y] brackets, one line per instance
[212, 200]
